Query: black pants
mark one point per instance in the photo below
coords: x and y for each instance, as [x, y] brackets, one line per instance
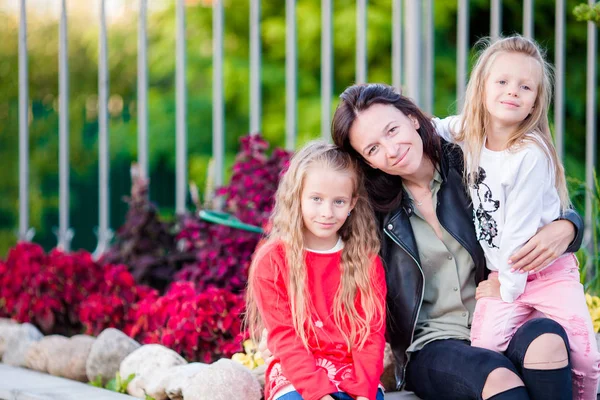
[453, 370]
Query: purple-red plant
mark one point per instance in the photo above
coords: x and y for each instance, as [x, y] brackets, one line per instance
[47, 289]
[201, 326]
[112, 305]
[250, 193]
[223, 253]
[145, 243]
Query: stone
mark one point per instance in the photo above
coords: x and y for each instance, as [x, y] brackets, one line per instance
[149, 364]
[7, 321]
[177, 377]
[106, 354]
[15, 341]
[223, 380]
[61, 356]
[80, 348]
[41, 353]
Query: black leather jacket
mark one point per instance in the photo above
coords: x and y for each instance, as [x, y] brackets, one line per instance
[399, 252]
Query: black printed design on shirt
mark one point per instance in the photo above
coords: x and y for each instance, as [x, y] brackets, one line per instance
[485, 224]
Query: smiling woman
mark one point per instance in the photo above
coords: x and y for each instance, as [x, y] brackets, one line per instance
[433, 258]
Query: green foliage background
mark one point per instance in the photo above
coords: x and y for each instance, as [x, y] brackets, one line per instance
[83, 60]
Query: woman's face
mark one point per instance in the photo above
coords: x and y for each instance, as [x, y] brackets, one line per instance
[388, 140]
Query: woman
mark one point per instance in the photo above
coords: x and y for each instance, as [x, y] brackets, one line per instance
[434, 262]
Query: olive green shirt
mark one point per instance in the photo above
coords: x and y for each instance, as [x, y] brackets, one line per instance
[449, 295]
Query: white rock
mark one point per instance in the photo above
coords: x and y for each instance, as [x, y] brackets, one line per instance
[44, 352]
[106, 354]
[80, 348]
[15, 340]
[223, 380]
[149, 364]
[177, 377]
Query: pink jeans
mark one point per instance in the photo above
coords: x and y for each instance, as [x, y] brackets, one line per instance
[557, 293]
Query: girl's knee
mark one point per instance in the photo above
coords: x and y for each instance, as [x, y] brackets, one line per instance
[547, 351]
[500, 380]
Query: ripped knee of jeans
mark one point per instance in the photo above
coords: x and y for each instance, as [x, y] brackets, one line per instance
[547, 351]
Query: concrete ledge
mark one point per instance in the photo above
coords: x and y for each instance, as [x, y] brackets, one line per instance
[401, 396]
[25, 384]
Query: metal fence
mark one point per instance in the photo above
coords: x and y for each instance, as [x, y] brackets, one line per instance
[413, 53]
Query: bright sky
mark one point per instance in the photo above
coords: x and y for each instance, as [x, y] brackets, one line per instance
[51, 8]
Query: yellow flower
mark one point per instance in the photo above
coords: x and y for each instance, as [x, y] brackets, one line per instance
[251, 358]
[244, 359]
[249, 346]
[593, 303]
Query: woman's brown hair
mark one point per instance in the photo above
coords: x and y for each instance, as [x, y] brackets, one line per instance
[384, 190]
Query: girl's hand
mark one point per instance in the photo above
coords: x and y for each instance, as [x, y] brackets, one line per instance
[362, 398]
[327, 397]
[488, 288]
[546, 246]
[263, 349]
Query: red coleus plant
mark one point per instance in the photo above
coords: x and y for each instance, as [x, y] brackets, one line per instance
[201, 326]
[47, 289]
[223, 254]
[115, 299]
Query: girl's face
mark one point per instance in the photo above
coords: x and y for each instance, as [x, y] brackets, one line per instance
[511, 89]
[325, 202]
[388, 140]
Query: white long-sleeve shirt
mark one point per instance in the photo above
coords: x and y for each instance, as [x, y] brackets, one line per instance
[513, 196]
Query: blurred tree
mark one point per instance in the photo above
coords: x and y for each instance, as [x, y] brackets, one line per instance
[122, 32]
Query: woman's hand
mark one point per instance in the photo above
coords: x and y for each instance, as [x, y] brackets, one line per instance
[488, 288]
[362, 398]
[328, 397]
[546, 246]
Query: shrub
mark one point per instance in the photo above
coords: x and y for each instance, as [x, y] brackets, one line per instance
[201, 326]
[112, 305]
[47, 289]
[222, 254]
[145, 243]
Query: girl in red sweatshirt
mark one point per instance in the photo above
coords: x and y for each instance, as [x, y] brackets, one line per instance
[317, 285]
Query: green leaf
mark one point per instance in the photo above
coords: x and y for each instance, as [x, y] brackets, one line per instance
[97, 382]
[111, 385]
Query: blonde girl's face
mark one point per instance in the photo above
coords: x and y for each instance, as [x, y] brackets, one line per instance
[326, 200]
[511, 89]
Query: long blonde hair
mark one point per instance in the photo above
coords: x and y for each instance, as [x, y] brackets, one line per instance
[533, 129]
[361, 246]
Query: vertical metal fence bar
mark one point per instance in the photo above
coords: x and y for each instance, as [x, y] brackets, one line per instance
[397, 44]
[24, 232]
[291, 67]
[104, 231]
[412, 44]
[218, 128]
[64, 233]
[181, 111]
[361, 41]
[326, 68]
[496, 19]
[462, 51]
[590, 154]
[142, 90]
[429, 57]
[255, 67]
[528, 18]
[559, 87]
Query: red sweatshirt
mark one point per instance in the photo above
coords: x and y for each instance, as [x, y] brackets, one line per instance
[328, 367]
